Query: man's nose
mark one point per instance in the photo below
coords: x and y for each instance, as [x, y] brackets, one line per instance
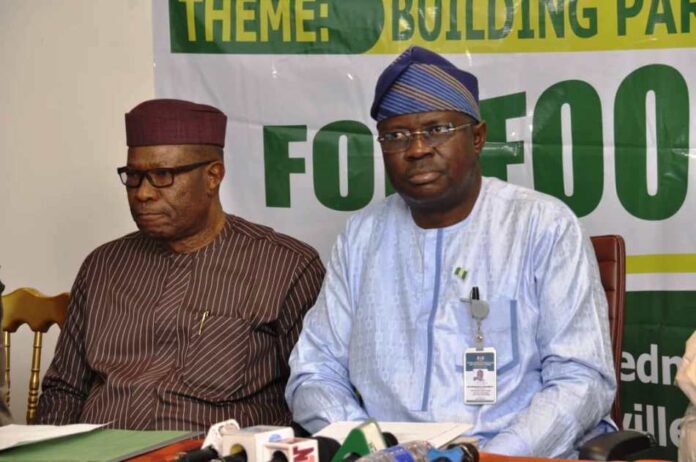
[419, 146]
[145, 191]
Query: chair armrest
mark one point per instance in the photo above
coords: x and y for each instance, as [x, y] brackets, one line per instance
[616, 445]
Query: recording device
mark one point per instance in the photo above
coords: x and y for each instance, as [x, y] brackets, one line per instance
[278, 450]
[411, 451]
[362, 440]
[422, 451]
[291, 450]
[390, 439]
[217, 431]
[226, 442]
[248, 443]
[316, 449]
[464, 452]
[328, 447]
[212, 445]
[470, 451]
[204, 454]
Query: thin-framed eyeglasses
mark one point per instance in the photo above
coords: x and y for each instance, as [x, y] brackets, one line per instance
[434, 135]
[161, 177]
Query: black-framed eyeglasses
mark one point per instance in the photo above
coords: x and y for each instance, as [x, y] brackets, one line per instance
[158, 177]
[434, 135]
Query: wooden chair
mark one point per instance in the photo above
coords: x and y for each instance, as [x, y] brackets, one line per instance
[611, 256]
[31, 307]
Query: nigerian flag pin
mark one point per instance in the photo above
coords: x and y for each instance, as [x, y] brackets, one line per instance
[460, 272]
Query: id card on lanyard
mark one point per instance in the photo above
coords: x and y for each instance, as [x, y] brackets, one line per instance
[480, 377]
[480, 373]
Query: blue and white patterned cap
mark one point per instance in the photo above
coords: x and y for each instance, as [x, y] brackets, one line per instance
[420, 80]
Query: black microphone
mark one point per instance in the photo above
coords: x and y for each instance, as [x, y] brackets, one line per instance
[390, 439]
[299, 430]
[328, 447]
[198, 455]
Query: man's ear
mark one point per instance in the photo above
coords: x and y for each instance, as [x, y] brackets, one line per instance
[215, 174]
[480, 131]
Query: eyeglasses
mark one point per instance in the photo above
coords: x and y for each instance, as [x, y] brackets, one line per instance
[400, 140]
[158, 177]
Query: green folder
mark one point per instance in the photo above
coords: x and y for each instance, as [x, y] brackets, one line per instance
[100, 445]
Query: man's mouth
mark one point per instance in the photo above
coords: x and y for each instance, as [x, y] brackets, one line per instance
[148, 216]
[426, 177]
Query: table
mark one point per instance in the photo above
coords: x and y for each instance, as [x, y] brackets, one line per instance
[169, 454]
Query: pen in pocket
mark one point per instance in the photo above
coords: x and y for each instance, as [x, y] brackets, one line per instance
[203, 318]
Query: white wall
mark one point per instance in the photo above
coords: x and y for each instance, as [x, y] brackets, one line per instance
[69, 70]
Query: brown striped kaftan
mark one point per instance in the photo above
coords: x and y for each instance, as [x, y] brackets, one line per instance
[160, 340]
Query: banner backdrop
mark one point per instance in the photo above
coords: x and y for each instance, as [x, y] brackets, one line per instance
[587, 100]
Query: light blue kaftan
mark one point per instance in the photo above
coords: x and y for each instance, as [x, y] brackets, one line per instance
[389, 322]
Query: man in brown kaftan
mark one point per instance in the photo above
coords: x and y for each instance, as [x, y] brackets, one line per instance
[191, 319]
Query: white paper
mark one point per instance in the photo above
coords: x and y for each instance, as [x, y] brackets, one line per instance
[18, 435]
[436, 433]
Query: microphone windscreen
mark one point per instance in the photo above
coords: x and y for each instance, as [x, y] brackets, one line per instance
[470, 452]
[362, 440]
[328, 447]
[278, 456]
[299, 430]
[390, 439]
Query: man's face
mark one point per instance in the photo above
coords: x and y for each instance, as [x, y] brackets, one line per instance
[181, 210]
[436, 178]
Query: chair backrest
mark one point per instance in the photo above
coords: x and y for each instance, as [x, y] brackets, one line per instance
[40, 312]
[611, 256]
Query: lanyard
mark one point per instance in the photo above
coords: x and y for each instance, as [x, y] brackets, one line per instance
[479, 311]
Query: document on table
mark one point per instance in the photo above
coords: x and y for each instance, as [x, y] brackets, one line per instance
[436, 433]
[101, 445]
[18, 435]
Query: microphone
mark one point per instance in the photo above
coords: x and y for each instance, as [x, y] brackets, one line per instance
[463, 452]
[198, 455]
[412, 451]
[328, 447]
[212, 445]
[390, 439]
[247, 444]
[216, 432]
[291, 450]
[299, 430]
[362, 440]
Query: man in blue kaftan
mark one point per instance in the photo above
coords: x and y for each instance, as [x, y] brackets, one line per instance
[388, 334]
